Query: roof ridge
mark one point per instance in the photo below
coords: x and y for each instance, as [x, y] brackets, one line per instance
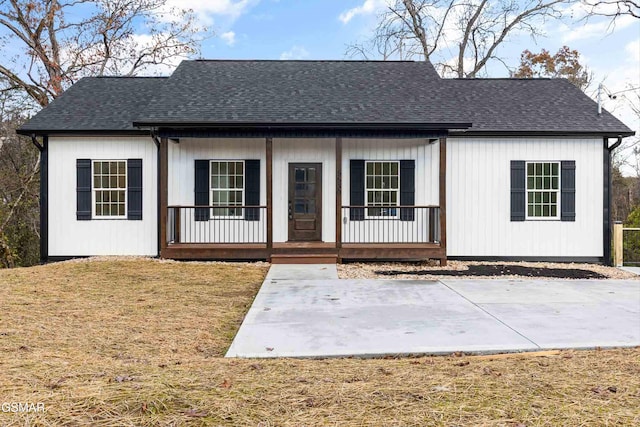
[126, 77]
[304, 60]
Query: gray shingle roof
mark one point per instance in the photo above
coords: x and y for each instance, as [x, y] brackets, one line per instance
[97, 104]
[316, 92]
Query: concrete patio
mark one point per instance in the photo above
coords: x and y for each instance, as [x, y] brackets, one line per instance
[310, 313]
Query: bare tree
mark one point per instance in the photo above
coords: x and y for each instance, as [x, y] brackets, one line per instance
[614, 8]
[49, 44]
[459, 36]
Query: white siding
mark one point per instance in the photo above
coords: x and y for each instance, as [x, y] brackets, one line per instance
[426, 158]
[70, 237]
[292, 150]
[181, 174]
[478, 199]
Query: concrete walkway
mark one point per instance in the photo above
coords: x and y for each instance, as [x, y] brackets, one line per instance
[634, 270]
[316, 315]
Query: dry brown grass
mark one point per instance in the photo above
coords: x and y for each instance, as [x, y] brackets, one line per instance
[139, 343]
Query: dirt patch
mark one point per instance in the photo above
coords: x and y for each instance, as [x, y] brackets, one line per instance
[481, 270]
[505, 270]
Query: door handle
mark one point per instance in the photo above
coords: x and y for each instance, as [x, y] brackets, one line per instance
[290, 212]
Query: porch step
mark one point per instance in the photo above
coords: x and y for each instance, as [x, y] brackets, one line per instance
[304, 259]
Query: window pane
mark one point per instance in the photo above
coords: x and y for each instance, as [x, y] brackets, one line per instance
[530, 169]
[105, 182]
[538, 168]
[378, 168]
[232, 168]
[530, 210]
[538, 184]
[554, 168]
[537, 210]
[394, 182]
[554, 183]
[370, 197]
[105, 167]
[377, 183]
[547, 169]
[105, 196]
[394, 168]
[216, 197]
[545, 197]
[554, 197]
[239, 168]
[215, 168]
[538, 197]
[547, 183]
[545, 210]
[121, 182]
[386, 168]
[369, 168]
[121, 209]
[394, 198]
[530, 197]
[531, 182]
[239, 183]
[554, 210]
[113, 182]
[223, 183]
[223, 168]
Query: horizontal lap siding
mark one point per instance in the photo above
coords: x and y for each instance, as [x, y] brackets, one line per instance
[70, 237]
[296, 150]
[426, 157]
[478, 199]
[182, 159]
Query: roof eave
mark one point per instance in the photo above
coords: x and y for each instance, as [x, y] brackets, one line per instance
[304, 125]
[556, 133]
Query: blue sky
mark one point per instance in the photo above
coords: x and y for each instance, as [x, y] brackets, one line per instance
[313, 29]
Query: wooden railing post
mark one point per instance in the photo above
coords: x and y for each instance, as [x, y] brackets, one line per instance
[269, 169]
[617, 244]
[338, 192]
[443, 200]
[164, 192]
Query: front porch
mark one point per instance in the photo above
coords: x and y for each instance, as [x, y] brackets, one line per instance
[343, 230]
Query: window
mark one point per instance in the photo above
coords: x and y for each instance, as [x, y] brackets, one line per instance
[382, 188]
[110, 188]
[227, 187]
[543, 190]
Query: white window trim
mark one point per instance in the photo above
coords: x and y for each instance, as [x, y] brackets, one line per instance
[527, 190]
[366, 193]
[244, 184]
[93, 190]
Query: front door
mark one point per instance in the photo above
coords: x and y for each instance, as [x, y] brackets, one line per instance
[305, 201]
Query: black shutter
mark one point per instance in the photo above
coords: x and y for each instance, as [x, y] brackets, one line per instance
[201, 198]
[568, 190]
[83, 189]
[518, 190]
[407, 189]
[134, 189]
[356, 186]
[252, 189]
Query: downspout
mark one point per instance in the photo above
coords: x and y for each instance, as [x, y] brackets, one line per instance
[156, 141]
[608, 190]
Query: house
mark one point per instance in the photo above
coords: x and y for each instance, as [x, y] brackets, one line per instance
[318, 161]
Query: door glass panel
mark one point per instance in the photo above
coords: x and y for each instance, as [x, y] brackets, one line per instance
[299, 206]
[311, 175]
[299, 175]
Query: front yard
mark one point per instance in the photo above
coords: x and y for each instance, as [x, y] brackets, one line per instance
[140, 342]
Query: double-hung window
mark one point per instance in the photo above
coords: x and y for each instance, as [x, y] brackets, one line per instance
[227, 187]
[543, 190]
[110, 188]
[382, 187]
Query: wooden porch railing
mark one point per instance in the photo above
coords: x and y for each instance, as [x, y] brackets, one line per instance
[216, 224]
[390, 224]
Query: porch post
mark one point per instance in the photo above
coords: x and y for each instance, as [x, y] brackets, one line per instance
[443, 200]
[338, 192]
[164, 192]
[269, 168]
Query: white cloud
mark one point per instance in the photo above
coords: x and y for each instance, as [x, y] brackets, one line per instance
[367, 8]
[206, 10]
[229, 38]
[596, 29]
[296, 52]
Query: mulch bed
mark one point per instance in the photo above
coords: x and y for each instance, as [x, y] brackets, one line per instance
[504, 270]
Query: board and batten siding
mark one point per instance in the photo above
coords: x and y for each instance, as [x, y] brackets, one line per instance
[426, 157]
[70, 237]
[303, 150]
[478, 199]
[181, 187]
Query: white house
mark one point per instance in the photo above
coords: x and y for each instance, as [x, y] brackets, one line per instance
[319, 161]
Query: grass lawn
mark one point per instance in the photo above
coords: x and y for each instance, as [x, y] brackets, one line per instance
[140, 342]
